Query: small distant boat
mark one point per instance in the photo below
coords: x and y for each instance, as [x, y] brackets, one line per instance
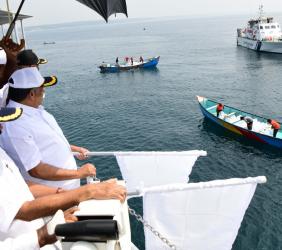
[117, 67]
[45, 43]
[230, 119]
[261, 34]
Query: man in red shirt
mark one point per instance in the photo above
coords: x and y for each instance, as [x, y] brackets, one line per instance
[219, 108]
[275, 125]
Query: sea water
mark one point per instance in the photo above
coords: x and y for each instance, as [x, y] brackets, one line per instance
[157, 109]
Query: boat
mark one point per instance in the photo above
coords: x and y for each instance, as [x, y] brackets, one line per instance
[262, 34]
[230, 120]
[47, 43]
[125, 66]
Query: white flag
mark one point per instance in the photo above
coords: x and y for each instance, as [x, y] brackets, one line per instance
[146, 169]
[202, 216]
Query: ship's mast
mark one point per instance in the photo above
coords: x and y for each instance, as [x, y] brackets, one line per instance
[261, 13]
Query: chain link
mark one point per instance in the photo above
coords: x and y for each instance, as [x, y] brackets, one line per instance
[153, 230]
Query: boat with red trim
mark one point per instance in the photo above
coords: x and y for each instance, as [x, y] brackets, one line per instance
[230, 119]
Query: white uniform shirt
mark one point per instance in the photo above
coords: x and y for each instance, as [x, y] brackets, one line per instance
[36, 137]
[27, 241]
[14, 193]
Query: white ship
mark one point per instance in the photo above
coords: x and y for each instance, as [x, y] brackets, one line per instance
[261, 34]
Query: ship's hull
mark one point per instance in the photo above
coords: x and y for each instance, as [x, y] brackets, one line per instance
[261, 46]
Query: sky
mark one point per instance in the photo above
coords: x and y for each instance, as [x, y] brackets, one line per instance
[62, 11]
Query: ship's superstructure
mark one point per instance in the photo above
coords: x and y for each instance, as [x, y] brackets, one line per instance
[261, 34]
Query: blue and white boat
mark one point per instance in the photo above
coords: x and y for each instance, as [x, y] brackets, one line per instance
[125, 66]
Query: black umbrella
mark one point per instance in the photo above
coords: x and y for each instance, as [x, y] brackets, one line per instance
[105, 8]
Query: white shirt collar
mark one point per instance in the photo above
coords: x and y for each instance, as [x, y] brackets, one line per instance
[27, 109]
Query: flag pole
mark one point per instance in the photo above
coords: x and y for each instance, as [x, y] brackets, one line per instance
[113, 153]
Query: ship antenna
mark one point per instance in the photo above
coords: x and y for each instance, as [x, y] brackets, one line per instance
[261, 11]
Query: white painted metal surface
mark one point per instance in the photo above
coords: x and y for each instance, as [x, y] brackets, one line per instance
[261, 34]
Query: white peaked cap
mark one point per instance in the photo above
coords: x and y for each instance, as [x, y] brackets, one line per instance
[30, 77]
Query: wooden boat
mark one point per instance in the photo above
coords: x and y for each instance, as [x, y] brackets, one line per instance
[113, 68]
[230, 119]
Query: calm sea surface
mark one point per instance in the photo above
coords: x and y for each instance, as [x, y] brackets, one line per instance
[157, 110]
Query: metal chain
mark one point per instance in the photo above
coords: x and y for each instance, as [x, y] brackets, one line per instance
[153, 230]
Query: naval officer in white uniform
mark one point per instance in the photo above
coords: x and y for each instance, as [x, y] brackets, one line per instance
[19, 209]
[21, 224]
[17, 234]
[35, 141]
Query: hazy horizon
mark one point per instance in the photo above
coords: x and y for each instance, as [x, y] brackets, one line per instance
[278, 17]
[66, 11]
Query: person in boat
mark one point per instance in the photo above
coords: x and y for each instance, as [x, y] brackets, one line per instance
[126, 59]
[141, 59]
[274, 125]
[219, 108]
[248, 120]
[35, 141]
[117, 60]
[131, 60]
